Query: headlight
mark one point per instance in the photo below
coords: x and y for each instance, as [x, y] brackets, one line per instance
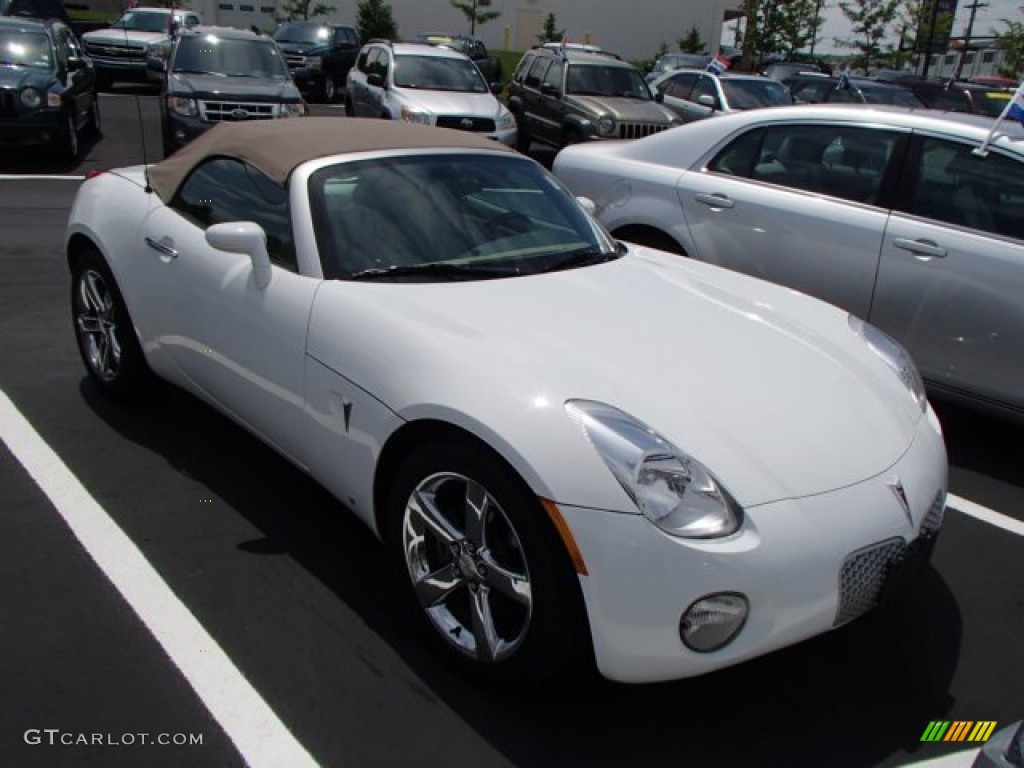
[506, 121]
[894, 355]
[296, 109]
[314, 62]
[606, 125]
[672, 490]
[415, 116]
[182, 106]
[53, 100]
[31, 98]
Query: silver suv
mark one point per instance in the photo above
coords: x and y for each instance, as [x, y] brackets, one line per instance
[565, 95]
[426, 84]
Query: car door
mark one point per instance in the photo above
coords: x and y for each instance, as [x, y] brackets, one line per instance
[241, 346]
[799, 204]
[542, 109]
[676, 92]
[355, 85]
[951, 277]
[76, 71]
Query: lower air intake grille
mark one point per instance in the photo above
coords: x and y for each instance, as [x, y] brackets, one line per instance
[933, 518]
[231, 111]
[8, 107]
[484, 124]
[862, 578]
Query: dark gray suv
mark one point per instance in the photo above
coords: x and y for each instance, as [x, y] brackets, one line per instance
[567, 96]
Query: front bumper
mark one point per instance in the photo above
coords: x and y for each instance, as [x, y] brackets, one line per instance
[787, 560]
[39, 127]
[307, 79]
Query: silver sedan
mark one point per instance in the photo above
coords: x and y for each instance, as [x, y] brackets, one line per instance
[889, 213]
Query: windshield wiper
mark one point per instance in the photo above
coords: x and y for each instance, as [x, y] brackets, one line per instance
[584, 259]
[437, 269]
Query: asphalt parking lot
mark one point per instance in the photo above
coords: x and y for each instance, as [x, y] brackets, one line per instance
[284, 600]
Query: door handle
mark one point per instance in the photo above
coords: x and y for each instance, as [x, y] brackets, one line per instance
[927, 249]
[715, 201]
[163, 247]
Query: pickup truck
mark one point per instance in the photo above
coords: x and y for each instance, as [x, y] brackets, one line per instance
[319, 55]
[489, 66]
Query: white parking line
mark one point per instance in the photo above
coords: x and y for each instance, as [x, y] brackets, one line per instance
[985, 514]
[956, 760]
[248, 721]
[31, 176]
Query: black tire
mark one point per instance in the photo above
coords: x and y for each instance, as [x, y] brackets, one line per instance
[350, 110]
[68, 145]
[95, 124]
[570, 137]
[651, 238]
[103, 81]
[329, 90]
[523, 139]
[104, 330]
[509, 563]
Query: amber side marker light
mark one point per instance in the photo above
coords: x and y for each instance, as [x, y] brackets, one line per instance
[563, 530]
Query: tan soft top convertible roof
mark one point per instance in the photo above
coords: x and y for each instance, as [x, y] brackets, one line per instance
[277, 147]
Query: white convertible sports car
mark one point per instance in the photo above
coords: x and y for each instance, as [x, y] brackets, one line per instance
[568, 444]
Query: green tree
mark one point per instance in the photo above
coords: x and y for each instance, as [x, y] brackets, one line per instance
[796, 24]
[1011, 40]
[476, 12]
[691, 42]
[304, 9]
[550, 33]
[772, 27]
[870, 21]
[374, 19]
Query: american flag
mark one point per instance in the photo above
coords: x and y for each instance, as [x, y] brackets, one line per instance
[718, 65]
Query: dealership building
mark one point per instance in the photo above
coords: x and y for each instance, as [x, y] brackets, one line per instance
[631, 28]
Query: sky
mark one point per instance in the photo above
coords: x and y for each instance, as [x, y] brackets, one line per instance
[985, 20]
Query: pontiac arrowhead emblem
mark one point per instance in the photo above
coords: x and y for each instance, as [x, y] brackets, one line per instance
[896, 486]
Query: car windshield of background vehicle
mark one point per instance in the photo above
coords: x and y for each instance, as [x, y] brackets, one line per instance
[898, 97]
[302, 33]
[992, 103]
[25, 49]
[433, 73]
[449, 217]
[751, 94]
[232, 58]
[142, 21]
[597, 80]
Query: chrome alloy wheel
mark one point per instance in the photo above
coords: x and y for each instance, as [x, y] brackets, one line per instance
[468, 567]
[96, 323]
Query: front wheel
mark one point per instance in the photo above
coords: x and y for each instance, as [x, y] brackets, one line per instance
[482, 566]
[67, 139]
[104, 331]
[95, 126]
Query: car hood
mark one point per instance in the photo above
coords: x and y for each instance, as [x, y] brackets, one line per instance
[122, 36]
[240, 88]
[767, 387]
[452, 103]
[23, 77]
[633, 110]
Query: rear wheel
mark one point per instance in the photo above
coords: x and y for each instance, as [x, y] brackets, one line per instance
[104, 331]
[481, 566]
[651, 238]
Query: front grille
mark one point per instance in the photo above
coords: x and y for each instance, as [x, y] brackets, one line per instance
[862, 578]
[8, 104]
[115, 51]
[295, 62]
[933, 518]
[235, 111]
[460, 123]
[639, 130]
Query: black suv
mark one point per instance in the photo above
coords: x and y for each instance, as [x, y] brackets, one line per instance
[47, 86]
[562, 97]
[959, 96]
[219, 74]
[319, 55]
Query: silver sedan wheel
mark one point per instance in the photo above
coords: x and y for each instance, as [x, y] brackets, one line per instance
[468, 566]
[96, 324]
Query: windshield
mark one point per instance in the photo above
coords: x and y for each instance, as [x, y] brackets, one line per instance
[25, 49]
[435, 73]
[210, 54]
[752, 94]
[992, 103]
[302, 33]
[899, 97]
[143, 21]
[449, 216]
[598, 80]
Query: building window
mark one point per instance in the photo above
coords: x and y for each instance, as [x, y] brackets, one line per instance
[246, 8]
[970, 58]
[226, 7]
[987, 57]
[950, 58]
[267, 9]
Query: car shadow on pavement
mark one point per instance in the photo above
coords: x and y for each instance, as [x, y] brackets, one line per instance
[853, 697]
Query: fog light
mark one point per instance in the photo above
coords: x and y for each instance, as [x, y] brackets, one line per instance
[713, 621]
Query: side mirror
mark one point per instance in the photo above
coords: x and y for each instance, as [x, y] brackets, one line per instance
[707, 100]
[376, 80]
[549, 89]
[245, 237]
[155, 64]
[588, 205]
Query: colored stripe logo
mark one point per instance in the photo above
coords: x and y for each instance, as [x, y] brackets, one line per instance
[959, 730]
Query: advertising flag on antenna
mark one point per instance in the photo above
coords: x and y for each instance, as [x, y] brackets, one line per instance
[565, 45]
[718, 65]
[1014, 110]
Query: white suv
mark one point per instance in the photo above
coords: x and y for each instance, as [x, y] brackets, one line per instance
[427, 84]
